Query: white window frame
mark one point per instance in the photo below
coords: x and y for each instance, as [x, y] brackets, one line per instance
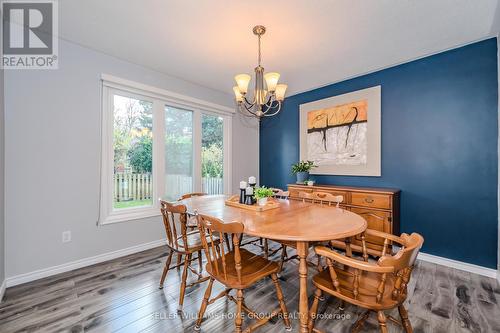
[160, 98]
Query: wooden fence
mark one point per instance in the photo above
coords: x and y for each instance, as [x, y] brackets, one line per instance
[133, 186]
[177, 185]
[212, 185]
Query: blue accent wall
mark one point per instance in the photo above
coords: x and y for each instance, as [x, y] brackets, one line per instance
[439, 146]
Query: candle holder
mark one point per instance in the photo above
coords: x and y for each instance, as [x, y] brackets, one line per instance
[252, 182]
[249, 195]
[248, 199]
[243, 187]
[242, 196]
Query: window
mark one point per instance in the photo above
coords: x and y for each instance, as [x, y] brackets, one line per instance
[156, 144]
[212, 154]
[133, 155]
[178, 152]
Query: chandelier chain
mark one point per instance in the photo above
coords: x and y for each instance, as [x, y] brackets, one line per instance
[260, 56]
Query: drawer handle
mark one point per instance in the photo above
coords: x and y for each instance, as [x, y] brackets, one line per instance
[369, 200]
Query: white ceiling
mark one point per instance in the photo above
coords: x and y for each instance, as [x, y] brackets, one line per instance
[311, 43]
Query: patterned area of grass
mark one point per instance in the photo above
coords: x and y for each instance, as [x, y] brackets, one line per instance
[132, 203]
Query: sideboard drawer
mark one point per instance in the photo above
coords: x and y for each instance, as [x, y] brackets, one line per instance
[294, 191]
[371, 200]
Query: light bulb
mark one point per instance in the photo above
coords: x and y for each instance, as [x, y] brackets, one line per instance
[271, 80]
[280, 92]
[242, 80]
[237, 94]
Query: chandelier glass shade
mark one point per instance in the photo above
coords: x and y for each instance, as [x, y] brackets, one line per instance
[266, 100]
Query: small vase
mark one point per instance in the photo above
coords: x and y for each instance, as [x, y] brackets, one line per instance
[262, 201]
[302, 176]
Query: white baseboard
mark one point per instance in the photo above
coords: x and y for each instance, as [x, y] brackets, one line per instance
[463, 266]
[2, 289]
[46, 272]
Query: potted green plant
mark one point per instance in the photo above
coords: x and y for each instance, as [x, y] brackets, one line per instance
[301, 169]
[261, 194]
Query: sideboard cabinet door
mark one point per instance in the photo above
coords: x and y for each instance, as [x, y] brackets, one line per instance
[377, 220]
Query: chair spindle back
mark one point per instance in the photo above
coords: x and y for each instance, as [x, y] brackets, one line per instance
[321, 198]
[279, 193]
[400, 264]
[216, 252]
[169, 212]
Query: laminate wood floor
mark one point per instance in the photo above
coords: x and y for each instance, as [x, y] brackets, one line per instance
[122, 295]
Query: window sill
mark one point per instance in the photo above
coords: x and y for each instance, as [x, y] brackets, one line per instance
[130, 215]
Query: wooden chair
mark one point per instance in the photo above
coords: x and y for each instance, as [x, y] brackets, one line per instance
[191, 222]
[375, 286]
[190, 195]
[314, 197]
[235, 269]
[263, 243]
[181, 242]
[280, 194]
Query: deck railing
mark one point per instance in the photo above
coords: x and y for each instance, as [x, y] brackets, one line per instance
[139, 186]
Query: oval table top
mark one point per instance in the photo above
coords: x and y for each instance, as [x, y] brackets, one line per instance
[293, 220]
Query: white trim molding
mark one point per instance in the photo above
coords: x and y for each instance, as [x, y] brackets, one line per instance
[46, 272]
[2, 289]
[463, 266]
[159, 99]
[172, 98]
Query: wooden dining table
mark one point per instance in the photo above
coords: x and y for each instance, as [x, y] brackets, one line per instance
[294, 220]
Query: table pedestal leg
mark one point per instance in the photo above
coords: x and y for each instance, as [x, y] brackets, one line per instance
[302, 252]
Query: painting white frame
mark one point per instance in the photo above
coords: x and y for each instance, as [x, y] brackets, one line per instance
[373, 166]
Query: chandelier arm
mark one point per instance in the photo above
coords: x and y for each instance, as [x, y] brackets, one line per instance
[248, 102]
[252, 103]
[247, 113]
[249, 109]
[251, 115]
[274, 113]
[272, 105]
[270, 100]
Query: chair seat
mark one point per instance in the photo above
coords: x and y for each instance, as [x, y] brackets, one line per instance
[254, 268]
[194, 241]
[367, 290]
[192, 222]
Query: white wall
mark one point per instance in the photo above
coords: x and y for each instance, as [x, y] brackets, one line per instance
[2, 164]
[245, 149]
[52, 159]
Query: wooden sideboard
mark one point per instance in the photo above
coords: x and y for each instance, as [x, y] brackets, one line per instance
[379, 206]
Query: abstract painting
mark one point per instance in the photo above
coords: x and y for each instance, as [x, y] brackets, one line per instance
[337, 135]
[341, 134]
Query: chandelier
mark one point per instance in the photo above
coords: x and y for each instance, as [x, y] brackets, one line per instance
[265, 103]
